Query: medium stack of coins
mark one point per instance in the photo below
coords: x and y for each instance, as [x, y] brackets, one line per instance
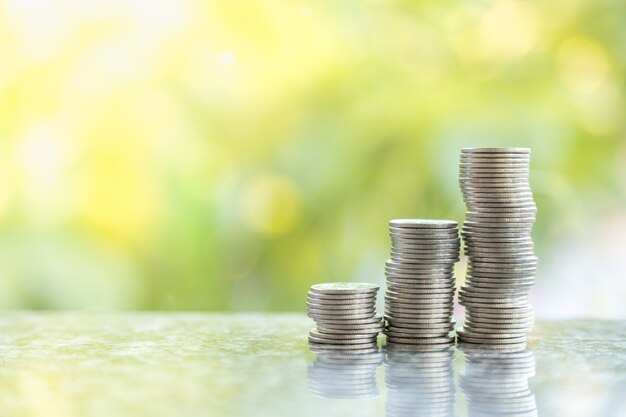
[337, 375]
[345, 317]
[421, 283]
[497, 241]
[496, 383]
[420, 383]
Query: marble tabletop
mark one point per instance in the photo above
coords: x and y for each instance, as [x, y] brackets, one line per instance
[196, 364]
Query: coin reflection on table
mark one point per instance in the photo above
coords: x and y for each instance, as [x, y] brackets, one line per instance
[496, 382]
[338, 374]
[420, 383]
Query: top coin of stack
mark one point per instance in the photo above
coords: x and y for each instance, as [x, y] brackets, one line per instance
[345, 316]
[421, 283]
[497, 241]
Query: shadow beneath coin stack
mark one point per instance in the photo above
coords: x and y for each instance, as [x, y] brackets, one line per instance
[496, 382]
[343, 375]
[420, 383]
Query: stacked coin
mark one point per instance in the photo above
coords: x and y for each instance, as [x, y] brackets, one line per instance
[420, 383]
[345, 317]
[341, 375]
[497, 241]
[421, 283]
[496, 383]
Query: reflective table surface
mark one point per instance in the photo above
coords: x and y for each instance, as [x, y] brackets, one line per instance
[180, 364]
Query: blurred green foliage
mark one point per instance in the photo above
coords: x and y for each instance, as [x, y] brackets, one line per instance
[228, 154]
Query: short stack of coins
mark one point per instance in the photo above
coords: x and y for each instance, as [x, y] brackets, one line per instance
[421, 283]
[337, 375]
[420, 383]
[345, 317]
[498, 243]
[496, 383]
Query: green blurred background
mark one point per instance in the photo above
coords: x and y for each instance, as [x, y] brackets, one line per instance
[225, 155]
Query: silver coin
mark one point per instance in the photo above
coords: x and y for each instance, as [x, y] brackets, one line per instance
[408, 293]
[508, 150]
[448, 255]
[479, 328]
[450, 252]
[467, 335]
[405, 232]
[501, 251]
[330, 322]
[352, 349]
[408, 311]
[449, 326]
[495, 234]
[515, 313]
[352, 342]
[500, 296]
[341, 311]
[505, 256]
[482, 292]
[476, 276]
[508, 218]
[424, 281]
[336, 317]
[330, 298]
[486, 303]
[478, 266]
[344, 288]
[468, 170]
[473, 179]
[496, 323]
[416, 319]
[467, 189]
[502, 205]
[339, 304]
[419, 340]
[420, 240]
[424, 260]
[416, 298]
[418, 279]
[420, 323]
[343, 346]
[371, 336]
[428, 245]
[416, 336]
[505, 221]
[492, 342]
[423, 223]
[448, 287]
[475, 203]
[404, 267]
[406, 321]
[497, 226]
[501, 246]
[350, 329]
[406, 307]
[499, 193]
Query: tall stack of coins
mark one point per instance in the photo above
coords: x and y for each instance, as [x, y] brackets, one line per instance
[421, 283]
[497, 241]
[420, 383]
[496, 383]
[337, 375]
[345, 317]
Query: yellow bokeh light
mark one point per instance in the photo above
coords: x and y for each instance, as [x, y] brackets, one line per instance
[583, 64]
[271, 205]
